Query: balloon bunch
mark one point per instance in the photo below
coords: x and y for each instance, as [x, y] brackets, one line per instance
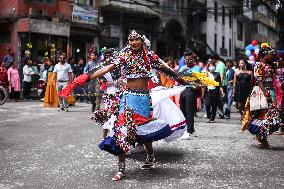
[252, 50]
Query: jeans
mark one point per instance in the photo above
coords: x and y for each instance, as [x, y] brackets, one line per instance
[188, 105]
[229, 95]
[62, 101]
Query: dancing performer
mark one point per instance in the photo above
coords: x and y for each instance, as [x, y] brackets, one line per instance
[263, 121]
[134, 121]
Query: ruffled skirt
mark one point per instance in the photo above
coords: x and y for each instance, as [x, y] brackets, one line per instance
[138, 122]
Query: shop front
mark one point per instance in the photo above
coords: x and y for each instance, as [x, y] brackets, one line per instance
[44, 39]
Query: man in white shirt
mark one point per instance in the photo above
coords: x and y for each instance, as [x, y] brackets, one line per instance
[27, 81]
[63, 74]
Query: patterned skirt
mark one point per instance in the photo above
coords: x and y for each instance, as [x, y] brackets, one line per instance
[137, 122]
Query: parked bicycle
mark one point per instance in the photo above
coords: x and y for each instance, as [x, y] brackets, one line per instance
[3, 95]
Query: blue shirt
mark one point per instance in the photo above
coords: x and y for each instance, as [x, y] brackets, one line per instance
[181, 62]
[91, 65]
[190, 70]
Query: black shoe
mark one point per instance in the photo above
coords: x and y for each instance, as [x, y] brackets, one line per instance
[221, 117]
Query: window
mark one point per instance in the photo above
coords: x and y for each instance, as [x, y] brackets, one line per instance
[215, 42]
[262, 9]
[262, 29]
[216, 11]
[91, 2]
[223, 15]
[230, 18]
[223, 42]
[5, 37]
[240, 31]
[230, 47]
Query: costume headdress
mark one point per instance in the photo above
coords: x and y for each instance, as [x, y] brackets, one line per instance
[134, 35]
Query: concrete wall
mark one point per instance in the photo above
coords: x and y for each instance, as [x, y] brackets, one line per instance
[221, 30]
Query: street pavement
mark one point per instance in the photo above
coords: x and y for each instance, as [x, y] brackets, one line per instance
[43, 148]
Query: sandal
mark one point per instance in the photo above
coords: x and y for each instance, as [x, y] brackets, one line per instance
[120, 174]
[147, 165]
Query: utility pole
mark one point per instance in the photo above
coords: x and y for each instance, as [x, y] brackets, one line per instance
[280, 22]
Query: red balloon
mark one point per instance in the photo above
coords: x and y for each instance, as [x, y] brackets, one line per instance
[254, 42]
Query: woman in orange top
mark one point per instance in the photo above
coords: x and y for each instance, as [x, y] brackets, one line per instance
[166, 81]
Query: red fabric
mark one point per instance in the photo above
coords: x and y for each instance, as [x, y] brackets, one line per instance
[4, 77]
[80, 80]
[138, 119]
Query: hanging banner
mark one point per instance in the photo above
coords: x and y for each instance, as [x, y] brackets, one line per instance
[85, 15]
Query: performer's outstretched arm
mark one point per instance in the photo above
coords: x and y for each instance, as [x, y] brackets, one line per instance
[101, 72]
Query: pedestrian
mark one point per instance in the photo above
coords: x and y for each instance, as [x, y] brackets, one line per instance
[94, 86]
[188, 98]
[27, 82]
[14, 82]
[221, 69]
[9, 58]
[280, 77]
[63, 74]
[165, 80]
[79, 70]
[263, 117]
[212, 93]
[47, 77]
[230, 87]
[242, 86]
[3, 75]
[132, 108]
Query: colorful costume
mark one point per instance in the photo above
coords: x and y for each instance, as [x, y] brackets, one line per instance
[134, 118]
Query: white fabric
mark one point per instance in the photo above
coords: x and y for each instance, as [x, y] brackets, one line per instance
[110, 89]
[257, 99]
[172, 117]
[158, 94]
[28, 72]
[62, 71]
[211, 76]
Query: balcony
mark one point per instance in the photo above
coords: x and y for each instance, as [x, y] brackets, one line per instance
[142, 7]
[264, 19]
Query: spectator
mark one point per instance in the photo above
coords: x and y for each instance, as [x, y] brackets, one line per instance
[221, 69]
[78, 70]
[14, 82]
[63, 74]
[211, 93]
[9, 59]
[27, 82]
[94, 86]
[189, 95]
[3, 75]
[48, 68]
[230, 78]
[242, 86]
[25, 60]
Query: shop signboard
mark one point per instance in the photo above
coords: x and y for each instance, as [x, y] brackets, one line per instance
[50, 28]
[85, 15]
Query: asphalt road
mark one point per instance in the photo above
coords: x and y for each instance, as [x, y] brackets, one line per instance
[43, 148]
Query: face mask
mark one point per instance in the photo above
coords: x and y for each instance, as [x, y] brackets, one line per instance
[211, 68]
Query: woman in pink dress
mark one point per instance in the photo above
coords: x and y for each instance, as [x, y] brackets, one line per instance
[14, 82]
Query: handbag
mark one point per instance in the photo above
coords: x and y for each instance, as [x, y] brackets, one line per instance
[257, 99]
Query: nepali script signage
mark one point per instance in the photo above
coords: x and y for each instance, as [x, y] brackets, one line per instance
[84, 15]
